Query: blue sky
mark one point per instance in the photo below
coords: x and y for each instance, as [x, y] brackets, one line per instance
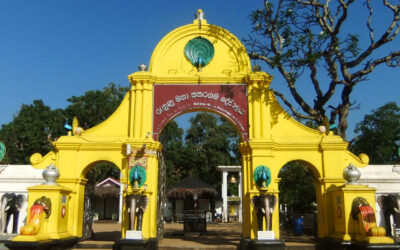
[52, 50]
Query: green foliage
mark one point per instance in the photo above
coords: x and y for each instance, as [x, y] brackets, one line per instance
[102, 171]
[233, 189]
[210, 141]
[173, 148]
[30, 132]
[378, 135]
[36, 124]
[296, 187]
[95, 106]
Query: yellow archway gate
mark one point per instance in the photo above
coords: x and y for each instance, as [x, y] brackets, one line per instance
[199, 67]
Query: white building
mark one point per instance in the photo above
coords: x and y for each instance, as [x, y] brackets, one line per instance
[16, 179]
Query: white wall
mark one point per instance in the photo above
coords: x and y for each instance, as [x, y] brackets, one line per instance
[16, 179]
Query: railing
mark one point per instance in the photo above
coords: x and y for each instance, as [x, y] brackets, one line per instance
[180, 217]
[194, 221]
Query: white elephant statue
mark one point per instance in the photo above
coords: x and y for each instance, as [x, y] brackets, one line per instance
[264, 204]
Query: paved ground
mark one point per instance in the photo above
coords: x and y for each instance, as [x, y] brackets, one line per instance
[219, 236]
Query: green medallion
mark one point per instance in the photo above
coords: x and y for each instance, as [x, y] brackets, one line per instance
[137, 176]
[2, 150]
[262, 176]
[199, 51]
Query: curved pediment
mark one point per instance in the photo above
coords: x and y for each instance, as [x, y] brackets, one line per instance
[230, 58]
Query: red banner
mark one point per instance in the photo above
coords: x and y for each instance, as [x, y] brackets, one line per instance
[228, 100]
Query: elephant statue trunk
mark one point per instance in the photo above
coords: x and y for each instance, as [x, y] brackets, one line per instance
[137, 204]
[264, 205]
[390, 205]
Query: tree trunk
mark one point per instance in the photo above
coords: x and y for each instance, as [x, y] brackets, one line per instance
[161, 196]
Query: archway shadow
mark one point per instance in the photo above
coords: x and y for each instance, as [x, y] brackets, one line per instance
[106, 231]
[107, 236]
[221, 234]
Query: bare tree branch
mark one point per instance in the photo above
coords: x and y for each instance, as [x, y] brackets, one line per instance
[309, 36]
[388, 36]
[290, 106]
[371, 30]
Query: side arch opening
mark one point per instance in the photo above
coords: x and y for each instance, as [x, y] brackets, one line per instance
[298, 203]
[102, 201]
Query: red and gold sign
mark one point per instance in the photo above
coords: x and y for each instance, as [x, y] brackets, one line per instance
[228, 100]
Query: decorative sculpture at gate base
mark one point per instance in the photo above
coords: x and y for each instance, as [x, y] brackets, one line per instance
[264, 204]
[138, 204]
[361, 211]
[40, 208]
[11, 205]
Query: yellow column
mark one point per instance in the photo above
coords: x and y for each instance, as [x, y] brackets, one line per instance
[256, 95]
[263, 114]
[132, 111]
[138, 109]
[246, 211]
[147, 116]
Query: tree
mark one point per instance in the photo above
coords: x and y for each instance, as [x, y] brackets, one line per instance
[171, 138]
[319, 38]
[378, 135]
[101, 171]
[296, 187]
[30, 131]
[36, 125]
[95, 106]
[210, 141]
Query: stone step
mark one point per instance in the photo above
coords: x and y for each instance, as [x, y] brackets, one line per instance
[89, 244]
[300, 247]
[198, 248]
[109, 245]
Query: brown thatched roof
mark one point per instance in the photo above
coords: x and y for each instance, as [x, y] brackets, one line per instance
[106, 191]
[189, 186]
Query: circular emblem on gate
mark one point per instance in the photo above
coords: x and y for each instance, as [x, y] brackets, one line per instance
[2, 150]
[63, 210]
[199, 51]
[137, 176]
[262, 176]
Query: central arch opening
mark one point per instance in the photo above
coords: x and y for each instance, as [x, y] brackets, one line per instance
[194, 144]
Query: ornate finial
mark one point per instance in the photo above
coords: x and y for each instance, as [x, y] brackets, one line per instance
[351, 174]
[50, 175]
[199, 16]
[142, 67]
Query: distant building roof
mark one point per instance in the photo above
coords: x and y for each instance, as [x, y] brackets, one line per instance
[188, 187]
[108, 187]
[109, 181]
